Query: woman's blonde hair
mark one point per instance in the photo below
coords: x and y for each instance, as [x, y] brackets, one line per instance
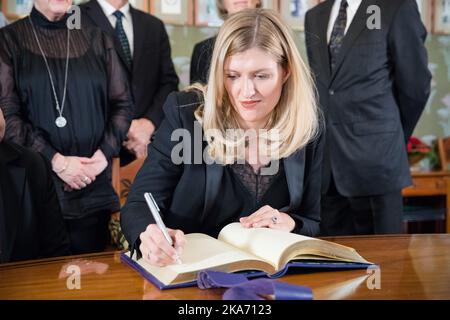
[295, 118]
[222, 11]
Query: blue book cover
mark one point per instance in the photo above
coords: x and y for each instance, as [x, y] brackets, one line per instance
[295, 266]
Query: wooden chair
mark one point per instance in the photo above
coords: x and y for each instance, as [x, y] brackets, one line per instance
[444, 153]
[116, 175]
[122, 179]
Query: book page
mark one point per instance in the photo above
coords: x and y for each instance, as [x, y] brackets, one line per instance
[268, 244]
[279, 247]
[204, 252]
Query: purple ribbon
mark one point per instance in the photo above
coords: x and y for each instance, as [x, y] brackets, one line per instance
[240, 288]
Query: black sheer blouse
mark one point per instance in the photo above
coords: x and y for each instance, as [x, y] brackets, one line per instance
[98, 104]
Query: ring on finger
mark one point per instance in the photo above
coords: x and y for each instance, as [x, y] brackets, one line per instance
[275, 219]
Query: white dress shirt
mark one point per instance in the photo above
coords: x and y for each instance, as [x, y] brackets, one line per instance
[353, 6]
[127, 23]
[3, 21]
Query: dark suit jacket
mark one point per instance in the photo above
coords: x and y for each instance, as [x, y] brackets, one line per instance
[31, 224]
[187, 193]
[153, 75]
[201, 60]
[375, 96]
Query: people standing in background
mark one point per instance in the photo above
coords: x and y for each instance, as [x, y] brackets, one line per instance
[143, 46]
[31, 224]
[202, 53]
[65, 94]
[373, 84]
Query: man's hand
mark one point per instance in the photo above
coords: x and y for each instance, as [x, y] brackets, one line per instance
[139, 137]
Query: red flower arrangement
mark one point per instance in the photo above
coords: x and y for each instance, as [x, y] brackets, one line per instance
[415, 145]
[418, 150]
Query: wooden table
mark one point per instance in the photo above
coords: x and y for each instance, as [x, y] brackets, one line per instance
[411, 267]
[434, 183]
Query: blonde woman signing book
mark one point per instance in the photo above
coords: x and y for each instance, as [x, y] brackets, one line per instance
[245, 148]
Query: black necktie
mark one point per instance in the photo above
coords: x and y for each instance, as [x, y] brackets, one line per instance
[121, 35]
[338, 33]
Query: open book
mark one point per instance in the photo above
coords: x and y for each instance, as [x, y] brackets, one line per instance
[240, 249]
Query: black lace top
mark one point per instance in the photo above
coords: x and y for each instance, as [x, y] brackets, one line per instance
[254, 182]
[98, 104]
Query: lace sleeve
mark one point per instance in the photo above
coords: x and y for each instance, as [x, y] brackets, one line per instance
[120, 103]
[18, 127]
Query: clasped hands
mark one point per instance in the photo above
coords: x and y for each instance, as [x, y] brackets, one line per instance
[139, 136]
[156, 250]
[78, 172]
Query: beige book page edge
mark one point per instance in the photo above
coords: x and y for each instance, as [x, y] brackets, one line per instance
[286, 247]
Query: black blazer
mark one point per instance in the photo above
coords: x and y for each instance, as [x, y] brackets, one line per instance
[187, 193]
[201, 60]
[375, 96]
[31, 224]
[152, 73]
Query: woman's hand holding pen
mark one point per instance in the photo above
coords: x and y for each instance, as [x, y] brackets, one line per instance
[268, 217]
[156, 250]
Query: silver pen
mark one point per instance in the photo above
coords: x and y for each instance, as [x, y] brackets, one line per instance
[154, 209]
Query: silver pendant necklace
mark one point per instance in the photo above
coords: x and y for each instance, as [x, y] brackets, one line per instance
[60, 121]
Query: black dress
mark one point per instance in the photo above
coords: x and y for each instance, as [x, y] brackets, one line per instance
[98, 105]
[31, 226]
